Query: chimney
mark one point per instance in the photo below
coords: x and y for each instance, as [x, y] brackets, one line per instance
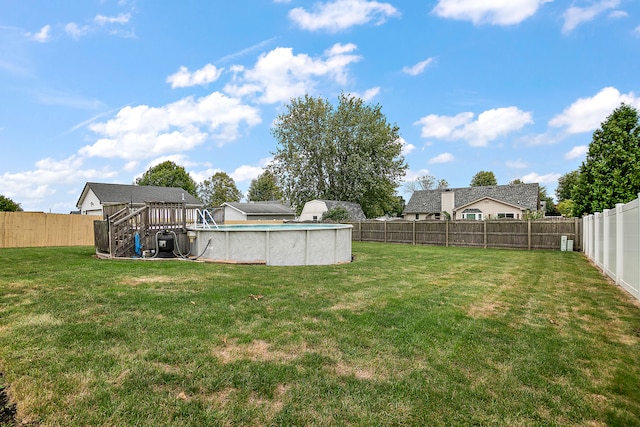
[447, 199]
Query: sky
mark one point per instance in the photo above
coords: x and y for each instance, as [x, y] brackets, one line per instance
[102, 90]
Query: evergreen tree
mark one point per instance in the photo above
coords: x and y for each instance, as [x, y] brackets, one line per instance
[611, 172]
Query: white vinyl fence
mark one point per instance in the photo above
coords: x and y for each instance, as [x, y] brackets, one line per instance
[611, 239]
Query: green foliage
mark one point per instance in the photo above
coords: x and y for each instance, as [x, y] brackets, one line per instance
[516, 181]
[336, 214]
[169, 174]
[218, 189]
[533, 215]
[349, 152]
[611, 172]
[8, 205]
[264, 188]
[483, 178]
[565, 207]
[566, 184]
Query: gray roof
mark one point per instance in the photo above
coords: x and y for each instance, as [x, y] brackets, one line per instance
[355, 210]
[262, 208]
[110, 194]
[430, 201]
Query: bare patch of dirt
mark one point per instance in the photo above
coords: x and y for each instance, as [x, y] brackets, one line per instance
[134, 281]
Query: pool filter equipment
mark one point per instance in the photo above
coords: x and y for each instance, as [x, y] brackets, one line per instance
[165, 244]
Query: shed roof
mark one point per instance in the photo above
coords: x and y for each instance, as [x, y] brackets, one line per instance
[110, 194]
[261, 208]
[354, 209]
[430, 201]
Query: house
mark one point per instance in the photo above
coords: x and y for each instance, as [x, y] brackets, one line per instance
[95, 197]
[489, 202]
[256, 211]
[313, 210]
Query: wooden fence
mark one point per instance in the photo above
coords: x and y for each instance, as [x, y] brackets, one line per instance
[513, 234]
[36, 229]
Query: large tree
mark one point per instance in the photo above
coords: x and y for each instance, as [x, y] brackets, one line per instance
[349, 152]
[483, 178]
[8, 205]
[566, 184]
[264, 188]
[218, 189]
[169, 174]
[611, 172]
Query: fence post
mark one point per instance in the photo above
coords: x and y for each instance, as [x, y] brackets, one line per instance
[619, 243]
[446, 234]
[529, 234]
[606, 239]
[484, 232]
[413, 232]
[385, 231]
[596, 236]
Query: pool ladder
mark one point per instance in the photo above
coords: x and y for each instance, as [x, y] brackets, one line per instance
[203, 215]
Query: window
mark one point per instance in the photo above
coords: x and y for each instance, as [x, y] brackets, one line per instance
[417, 216]
[474, 216]
[315, 217]
[506, 215]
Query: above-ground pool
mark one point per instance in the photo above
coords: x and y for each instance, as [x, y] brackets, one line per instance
[274, 244]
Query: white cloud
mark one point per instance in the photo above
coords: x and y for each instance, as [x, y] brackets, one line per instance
[586, 114]
[516, 164]
[183, 78]
[31, 187]
[442, 158]
[418, 68]
[54, 97]
[368, 94]
[636, 30]
[489, 125]
[122, 18]
[279, 75]
[496, 12]
[246, 173]
[533, 177]
[406, 147]
[575, 16]
[72, 29]
[576, 152]
[338, 15]
[413, 175]
[42, 36]
[143, 132]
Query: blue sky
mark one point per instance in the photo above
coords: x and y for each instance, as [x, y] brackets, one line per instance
[101, 90]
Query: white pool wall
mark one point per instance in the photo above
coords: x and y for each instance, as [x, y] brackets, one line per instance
[277, 245]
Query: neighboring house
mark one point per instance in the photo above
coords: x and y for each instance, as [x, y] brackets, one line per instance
[96, 196]
[313, 210]
[490, 202]
[257, 211]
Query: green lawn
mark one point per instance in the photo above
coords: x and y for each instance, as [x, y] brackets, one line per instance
[404, 335]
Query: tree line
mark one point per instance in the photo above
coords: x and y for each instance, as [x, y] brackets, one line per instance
[350, 152]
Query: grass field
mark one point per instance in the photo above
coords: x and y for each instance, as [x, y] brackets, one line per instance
[404, 335]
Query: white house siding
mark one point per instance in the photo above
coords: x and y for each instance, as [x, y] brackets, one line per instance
[91, 205]
[231, 214]
[490, 209]
[314, 208]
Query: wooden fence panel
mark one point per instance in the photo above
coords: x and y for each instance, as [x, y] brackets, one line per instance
[37, 229]
[466, 233]
[512, 234]
[507, 234]
[431, 233]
